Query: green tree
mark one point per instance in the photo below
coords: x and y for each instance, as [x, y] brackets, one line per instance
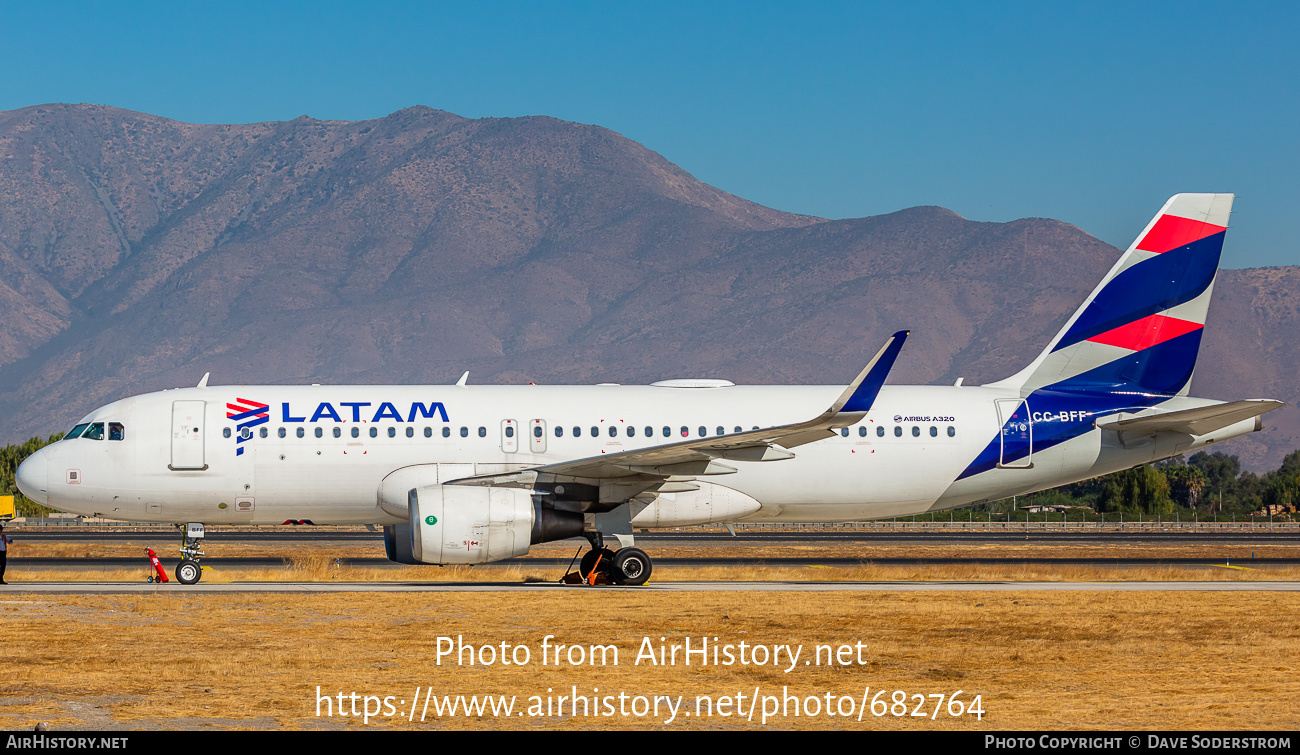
[1186, 484]
[1142, 489]
[1282, 486]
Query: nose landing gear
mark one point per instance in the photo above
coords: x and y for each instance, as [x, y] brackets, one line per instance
[188, 571]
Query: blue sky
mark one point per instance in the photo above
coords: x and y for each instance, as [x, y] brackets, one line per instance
[1092, 113]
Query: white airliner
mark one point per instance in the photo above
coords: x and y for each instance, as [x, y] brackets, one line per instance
[460, 474]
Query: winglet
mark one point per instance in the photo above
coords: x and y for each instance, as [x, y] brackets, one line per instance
[463, 379]
[204, 382]
[861, 394]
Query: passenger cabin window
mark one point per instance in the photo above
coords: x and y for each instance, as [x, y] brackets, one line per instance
[301, 432]
[392, 432]
[537, 431]
[898, 432]
[649, 431]
[703, 431]
[280, 432]
[916, 431]
[952, 431]
[577, 432]
[844, 432]
[862, 432]
[446, 432]
[410, 432]
[686, 432]
[559, 431]
[510, 431]
[94, 432]
[246, 433]
[374, 432]
[76, 431]
[225, 432]
[595, 431]
[721, 430]
[934, 431]
[428, 432]
[482, 432]
[668, 431]
[464, 432]
[631, 431]
[261, 433]
[338, 432]
[117, 432]
[613, 431]
[356, 432]
[319, 432]
[738, 429]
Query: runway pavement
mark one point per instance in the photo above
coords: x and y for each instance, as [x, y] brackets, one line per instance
[136, 588]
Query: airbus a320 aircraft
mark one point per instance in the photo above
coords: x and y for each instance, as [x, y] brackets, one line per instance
[463, 474]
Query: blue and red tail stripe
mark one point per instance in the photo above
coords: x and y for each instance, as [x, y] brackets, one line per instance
[1145, 333]
[1133, 343]
[1171, 232]
[1149, 287]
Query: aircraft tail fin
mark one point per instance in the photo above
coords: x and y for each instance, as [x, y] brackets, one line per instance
[1140, 329]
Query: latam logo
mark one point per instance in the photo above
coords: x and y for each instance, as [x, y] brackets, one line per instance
[247, 414]
[385, 410]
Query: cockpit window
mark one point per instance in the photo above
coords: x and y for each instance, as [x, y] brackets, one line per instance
[116, 431]
[94, 432]
[76, 431]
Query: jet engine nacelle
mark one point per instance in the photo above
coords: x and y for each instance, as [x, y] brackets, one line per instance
[452, 524]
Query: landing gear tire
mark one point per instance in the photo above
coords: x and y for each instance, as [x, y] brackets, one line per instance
[631, 567]
[188, 572]
[588, 562]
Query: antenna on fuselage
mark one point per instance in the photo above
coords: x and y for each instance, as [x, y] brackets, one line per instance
[204, 382]
[463, 379]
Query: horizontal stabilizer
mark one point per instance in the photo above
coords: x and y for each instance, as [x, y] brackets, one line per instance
[1199, 421]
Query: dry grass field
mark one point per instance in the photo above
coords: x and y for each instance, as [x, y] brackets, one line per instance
[323, 568]
[1038, 660]
[1031, 547]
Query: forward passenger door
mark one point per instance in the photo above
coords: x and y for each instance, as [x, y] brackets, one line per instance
[187, 435]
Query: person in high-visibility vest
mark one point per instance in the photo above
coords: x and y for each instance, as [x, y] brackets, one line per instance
[5, 540]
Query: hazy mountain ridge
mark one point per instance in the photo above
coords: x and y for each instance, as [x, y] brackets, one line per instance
[137, 253]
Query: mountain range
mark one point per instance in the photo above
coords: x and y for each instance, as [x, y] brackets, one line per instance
[138, 253]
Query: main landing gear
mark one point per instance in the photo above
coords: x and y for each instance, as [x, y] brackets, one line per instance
[600, 565]
[188, 571]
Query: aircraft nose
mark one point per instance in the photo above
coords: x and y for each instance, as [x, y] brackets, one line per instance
[33, 477]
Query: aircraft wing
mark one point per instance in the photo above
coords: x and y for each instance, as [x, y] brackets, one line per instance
[674, 464]
[1199, 421]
